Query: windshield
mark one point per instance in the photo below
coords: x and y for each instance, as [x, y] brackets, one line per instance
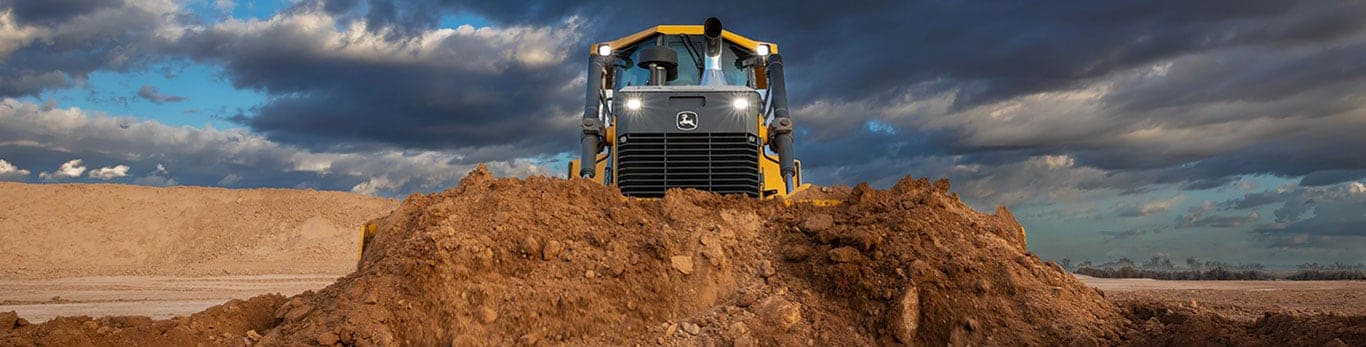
[690, 58]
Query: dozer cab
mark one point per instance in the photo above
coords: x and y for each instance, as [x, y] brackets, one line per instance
[688, 106]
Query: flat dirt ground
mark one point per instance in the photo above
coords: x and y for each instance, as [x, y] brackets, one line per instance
[1242, 300]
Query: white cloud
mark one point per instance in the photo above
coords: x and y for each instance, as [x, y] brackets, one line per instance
[70, 169]
[110, 172]
[8, 170]
[233, 157]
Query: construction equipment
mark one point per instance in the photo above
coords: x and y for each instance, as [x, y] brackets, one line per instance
[688, 106]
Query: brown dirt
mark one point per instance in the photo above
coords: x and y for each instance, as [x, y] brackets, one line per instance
[553, 261]
[65, 230]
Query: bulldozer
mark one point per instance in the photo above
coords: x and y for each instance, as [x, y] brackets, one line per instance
[684, 106]
[687, 106]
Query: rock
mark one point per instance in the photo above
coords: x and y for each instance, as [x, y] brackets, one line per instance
[103, 330]
[817, 223]
[1337, 342]
[253, 335]
[487, 315]
[551, 250]
[328, 339]
[766, 269]
[528, 339]
[590, 274]
[796, 253]
[906, 321]
[298, 312]
[530, 246]
[845, 254]
[90, 324]
[682, 263]
[780, 313]
[690, 328]
[371, 298]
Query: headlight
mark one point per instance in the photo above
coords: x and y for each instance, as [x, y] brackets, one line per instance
[740, 104]
[604, 50]
[633, 104]
[761, 50]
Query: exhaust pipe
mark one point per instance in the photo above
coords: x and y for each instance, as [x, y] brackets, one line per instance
[711, 71]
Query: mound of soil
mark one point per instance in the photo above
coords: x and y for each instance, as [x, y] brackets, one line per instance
[65, 230]
[554, 261]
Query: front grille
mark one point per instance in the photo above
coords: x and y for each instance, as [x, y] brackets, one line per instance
[725, 163]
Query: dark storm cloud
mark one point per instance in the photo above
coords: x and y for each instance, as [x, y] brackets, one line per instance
[151, 94]
[57, 44]
[49, 12]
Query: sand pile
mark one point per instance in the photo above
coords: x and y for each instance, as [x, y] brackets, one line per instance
[547, 261]
[64, 230]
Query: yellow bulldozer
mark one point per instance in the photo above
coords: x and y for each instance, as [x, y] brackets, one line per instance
[684, 106]
[688, 106]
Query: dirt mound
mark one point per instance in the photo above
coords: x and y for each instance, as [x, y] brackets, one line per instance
[553, 261]
[62, 230]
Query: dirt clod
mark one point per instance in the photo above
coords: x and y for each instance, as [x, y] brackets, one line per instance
[682, 263]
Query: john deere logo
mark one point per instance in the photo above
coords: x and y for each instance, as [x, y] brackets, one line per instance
[687, 120]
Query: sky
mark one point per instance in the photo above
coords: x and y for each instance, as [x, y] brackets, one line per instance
[1226, 130]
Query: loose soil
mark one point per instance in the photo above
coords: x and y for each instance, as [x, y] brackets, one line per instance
[554, 261]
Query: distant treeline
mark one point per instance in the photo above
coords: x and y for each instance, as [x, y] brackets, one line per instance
[1163, 269]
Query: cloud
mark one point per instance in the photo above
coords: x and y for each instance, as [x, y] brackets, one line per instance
[110, 172]
[208, 156]
[1202, 216]
[499, 92]
[70, 169]
[9, 171]
[1151, 207]
[151, 94]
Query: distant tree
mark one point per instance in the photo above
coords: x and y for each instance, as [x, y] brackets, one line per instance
[1066, 263]
[1193, 263]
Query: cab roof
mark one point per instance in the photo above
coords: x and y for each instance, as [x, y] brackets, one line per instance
[632, 39]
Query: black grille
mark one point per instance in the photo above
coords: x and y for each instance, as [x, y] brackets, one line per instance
[725, 163]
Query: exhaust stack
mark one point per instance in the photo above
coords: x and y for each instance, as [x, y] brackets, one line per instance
[711, 71]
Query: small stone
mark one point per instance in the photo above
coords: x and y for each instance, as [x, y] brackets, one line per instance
[817, 223]
[690, 328]
[328, 338]
[670, 329]
[845, 254]
[253, 335]
[298, 312]
[529, 339]
[682, 263]
[371, 298]
[590, 274]
[766, 269]
[1194, 305]
[797, 253]
[551, 250]
[907, 319]
[530, 246]
[90, 324]
[780, 313]
[487, 315]
[1337, 342]
[103, 330]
